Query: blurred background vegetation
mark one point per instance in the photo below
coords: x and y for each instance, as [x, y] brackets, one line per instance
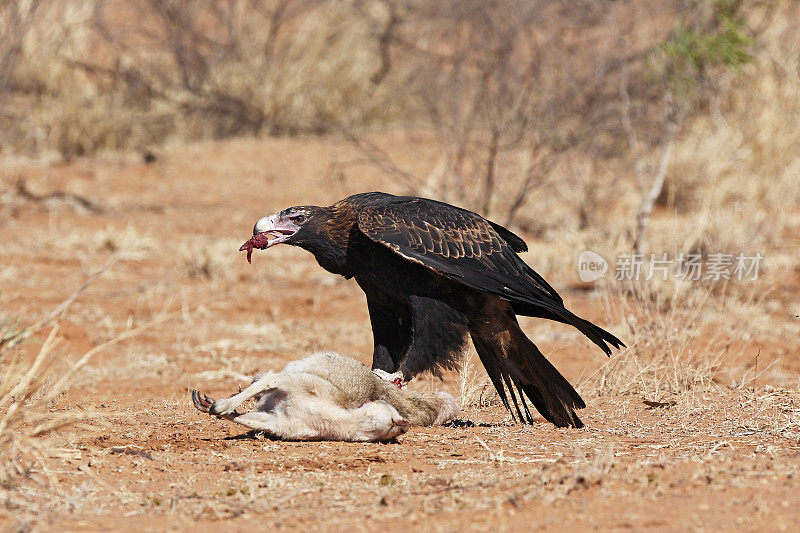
[610, 106]
[554, 117]
[670, 126]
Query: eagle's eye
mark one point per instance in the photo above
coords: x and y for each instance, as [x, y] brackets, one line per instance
[298, 219]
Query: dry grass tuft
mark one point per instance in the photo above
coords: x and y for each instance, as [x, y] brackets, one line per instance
[23, 393]
[28, 388]
[208, 260]
[675, 342]
[475, 390]
[125, 243]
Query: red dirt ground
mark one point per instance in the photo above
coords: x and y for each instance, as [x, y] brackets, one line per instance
[723, 458]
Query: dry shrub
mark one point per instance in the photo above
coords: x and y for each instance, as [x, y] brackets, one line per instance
[98, 75]
[25, 394]
[736, 163]
[506, 93]
[17, 17]
[125, 243]
[485, 84]
[49, 105]
[21, 383]
[742, 164]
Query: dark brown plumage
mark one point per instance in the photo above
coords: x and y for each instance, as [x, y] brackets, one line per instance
[434, 274]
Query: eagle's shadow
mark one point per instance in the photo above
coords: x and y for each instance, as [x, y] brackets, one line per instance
[456, 423]
[253, 434]
[257, 435]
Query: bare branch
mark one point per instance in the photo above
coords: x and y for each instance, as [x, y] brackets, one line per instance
[381, 160]
[56, 314]
[656, 186]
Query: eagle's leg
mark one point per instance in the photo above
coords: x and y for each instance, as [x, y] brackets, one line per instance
[382, 362]
[391, 330]
[440, 337]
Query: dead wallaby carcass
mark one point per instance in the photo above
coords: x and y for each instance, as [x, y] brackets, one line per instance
[328, 396]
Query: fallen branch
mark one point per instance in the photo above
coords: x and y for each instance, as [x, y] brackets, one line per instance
[22, 190]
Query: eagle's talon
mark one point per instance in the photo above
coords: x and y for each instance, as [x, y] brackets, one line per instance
[396, 378]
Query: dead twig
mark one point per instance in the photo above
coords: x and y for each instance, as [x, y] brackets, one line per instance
[76, 200]
[9, 341]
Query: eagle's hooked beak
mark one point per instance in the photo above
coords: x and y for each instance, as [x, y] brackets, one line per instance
[269, 231]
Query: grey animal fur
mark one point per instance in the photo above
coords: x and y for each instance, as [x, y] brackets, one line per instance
[328, 396]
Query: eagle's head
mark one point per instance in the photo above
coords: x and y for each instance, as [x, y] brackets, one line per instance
[294, 225]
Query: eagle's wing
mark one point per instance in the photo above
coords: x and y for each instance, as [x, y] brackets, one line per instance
[467, 248]
[458, 244]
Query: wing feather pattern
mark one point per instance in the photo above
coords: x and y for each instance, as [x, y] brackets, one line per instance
[474, 249]
[465, 247]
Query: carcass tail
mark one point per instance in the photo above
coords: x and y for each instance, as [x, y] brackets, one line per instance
[430, 408]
